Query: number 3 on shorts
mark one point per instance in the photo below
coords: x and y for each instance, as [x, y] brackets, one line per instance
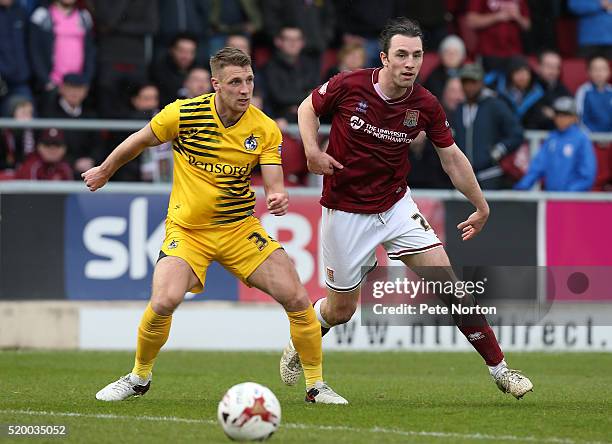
[418, 217]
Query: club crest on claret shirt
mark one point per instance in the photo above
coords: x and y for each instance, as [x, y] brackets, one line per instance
[362, 107]
[412, 118]
[250, 143]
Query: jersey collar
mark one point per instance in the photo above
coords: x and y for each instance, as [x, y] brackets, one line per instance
[380, 94]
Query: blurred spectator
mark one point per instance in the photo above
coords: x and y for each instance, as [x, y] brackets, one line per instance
[565, 161]
[594, 98]
[522, 93]
[485, 128]
[452, 55]
[316, 19]
[169, 73]
[16, 144]
[82, 146]
[548, 77]
[61, 42]
[183, 16]
[144, 104]
[47, 162]
[498, 25]
[544, 15]
[361, 22]
[196, 83]
[14, 65]
[427, 171]
[289, 77]
[594, 26]
[239, 41]
[28, 5]
[453, 95]
[124, 30]
[433, 17]
[350, 57]
[232, 17]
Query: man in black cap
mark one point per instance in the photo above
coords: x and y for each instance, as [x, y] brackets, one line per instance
[83, 146]
[566, 160]
[485, 128]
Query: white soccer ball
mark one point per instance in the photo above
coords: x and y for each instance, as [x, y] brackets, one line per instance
[249, 412]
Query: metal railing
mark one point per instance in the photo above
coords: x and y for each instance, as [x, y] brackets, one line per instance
[534, 137]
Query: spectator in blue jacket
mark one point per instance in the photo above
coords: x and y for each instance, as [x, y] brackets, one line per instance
[522, 92]
[594, 98]
[14, 66]
[594, 26]
[566, 161]
[485, 128]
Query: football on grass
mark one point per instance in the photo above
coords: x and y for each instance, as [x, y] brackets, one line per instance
[249, 412]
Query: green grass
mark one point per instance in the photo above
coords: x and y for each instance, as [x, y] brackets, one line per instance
[397, 393]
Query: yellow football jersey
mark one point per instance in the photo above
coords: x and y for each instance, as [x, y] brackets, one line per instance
[212, 163]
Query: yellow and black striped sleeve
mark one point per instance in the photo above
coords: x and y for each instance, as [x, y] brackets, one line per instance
[271, 152]
[165, 124]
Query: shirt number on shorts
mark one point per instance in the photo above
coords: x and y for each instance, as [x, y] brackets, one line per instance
[418, 217]
[258, 240]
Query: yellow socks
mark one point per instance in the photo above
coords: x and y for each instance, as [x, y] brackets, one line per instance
[306, 337]
[153, 333]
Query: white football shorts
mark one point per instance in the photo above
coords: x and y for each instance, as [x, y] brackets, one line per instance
[349, 240]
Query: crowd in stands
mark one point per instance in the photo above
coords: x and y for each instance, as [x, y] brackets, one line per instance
[499, 67]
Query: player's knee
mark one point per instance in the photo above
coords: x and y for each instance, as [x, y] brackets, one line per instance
[297, 299]
[164, 303]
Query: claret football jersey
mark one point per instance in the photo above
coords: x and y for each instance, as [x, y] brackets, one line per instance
[213, 163]
[370, 136]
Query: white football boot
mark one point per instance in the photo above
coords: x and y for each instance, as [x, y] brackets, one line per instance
[125, 387]
[290, 365]
[513, 382]
[321, 393]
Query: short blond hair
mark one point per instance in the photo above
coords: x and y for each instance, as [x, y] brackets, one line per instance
[228, 57]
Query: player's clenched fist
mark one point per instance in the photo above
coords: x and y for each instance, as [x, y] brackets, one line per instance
[277, 203]
[323, 163]
[95, 178]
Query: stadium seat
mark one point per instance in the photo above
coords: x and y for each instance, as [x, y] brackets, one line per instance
[573, 73]
[603, 153]
[329, 59]
[567, 36]
[7, 175]
[294, 161]
[295, 169]
[261, 55]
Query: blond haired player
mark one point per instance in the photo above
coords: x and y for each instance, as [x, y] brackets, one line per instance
[217, 139]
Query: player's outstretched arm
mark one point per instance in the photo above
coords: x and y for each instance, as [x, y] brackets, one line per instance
[277, 199]
[319, 162]
[96, 177]
[460, 171]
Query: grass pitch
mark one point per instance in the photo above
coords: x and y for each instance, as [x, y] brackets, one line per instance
[395, 397]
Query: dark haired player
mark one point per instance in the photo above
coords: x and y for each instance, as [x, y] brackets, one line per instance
[366, 201]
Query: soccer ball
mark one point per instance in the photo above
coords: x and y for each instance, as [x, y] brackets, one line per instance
[249, 412]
